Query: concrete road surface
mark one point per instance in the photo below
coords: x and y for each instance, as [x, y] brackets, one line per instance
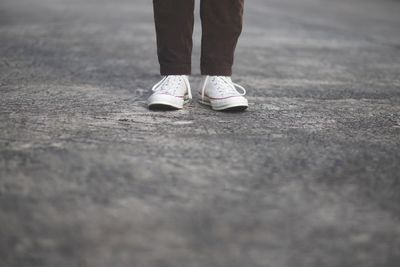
[309, 176]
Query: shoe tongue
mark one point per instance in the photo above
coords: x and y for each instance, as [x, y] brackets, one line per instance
[178, 76]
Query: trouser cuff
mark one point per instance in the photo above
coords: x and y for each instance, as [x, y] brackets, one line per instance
[183, 69]
[216, 70]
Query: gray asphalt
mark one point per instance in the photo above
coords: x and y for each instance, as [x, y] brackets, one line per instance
[308, 176]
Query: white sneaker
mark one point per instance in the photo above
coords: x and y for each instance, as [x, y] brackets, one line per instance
[173, 91]
[221, 93]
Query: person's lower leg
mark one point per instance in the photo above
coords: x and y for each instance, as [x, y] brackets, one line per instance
[174, 28]
[221, 27]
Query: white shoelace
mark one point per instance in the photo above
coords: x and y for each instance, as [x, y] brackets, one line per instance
[225, 80]
[174, 80]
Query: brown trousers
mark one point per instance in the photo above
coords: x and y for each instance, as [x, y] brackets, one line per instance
[221, 27]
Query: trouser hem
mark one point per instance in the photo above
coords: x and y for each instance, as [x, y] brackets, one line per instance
[184, 69]
[216, 70]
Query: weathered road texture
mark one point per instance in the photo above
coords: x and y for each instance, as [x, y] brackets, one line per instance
[307, 177]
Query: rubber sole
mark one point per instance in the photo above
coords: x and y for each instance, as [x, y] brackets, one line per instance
[238, 106]
[166, 102]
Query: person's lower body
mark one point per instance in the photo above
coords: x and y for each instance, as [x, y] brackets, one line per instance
[221, 27]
